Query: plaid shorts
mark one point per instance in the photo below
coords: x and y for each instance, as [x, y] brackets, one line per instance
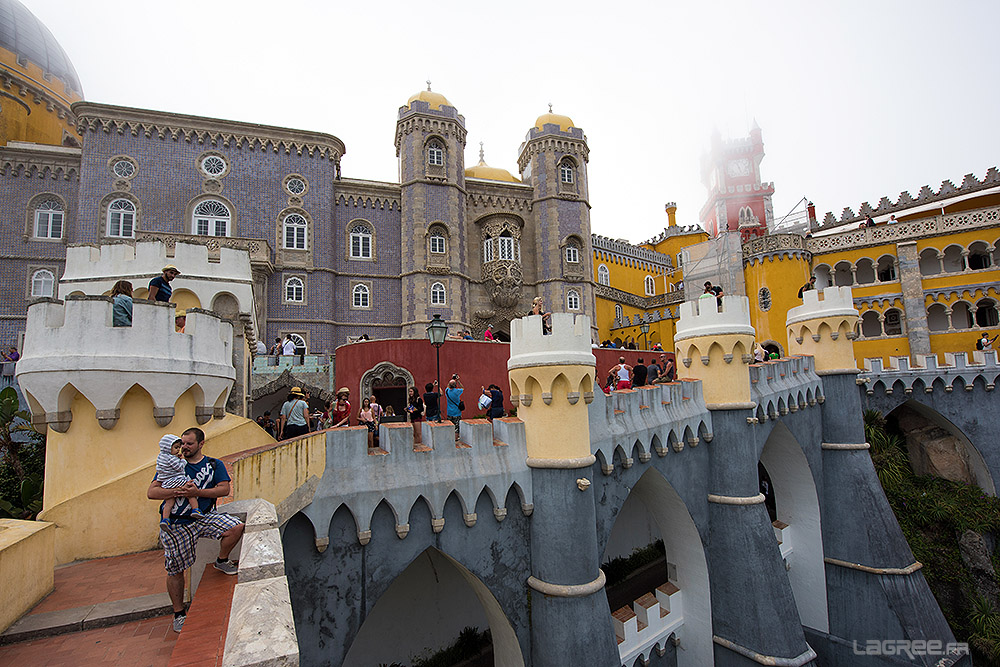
[179, 540]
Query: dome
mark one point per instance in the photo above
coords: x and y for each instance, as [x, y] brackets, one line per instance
[484, 171]
[434, 100]
[28, 39]
[564, 122]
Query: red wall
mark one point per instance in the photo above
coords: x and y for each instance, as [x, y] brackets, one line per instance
[477, 362]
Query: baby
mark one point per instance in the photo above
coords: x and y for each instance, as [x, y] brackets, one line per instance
[170, 473]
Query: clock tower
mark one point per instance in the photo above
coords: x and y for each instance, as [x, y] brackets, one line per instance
[737, 199]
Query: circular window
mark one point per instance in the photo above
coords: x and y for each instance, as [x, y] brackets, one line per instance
[295, 186]
[764, 299]
[123, 169]
[213, 165]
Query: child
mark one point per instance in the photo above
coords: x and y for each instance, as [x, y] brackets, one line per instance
[170, 473]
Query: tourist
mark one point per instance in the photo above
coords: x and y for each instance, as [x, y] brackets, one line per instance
[288, 347]
[892, 220]
[260, 348]
[623, 374]
[266, 423]
[159, 287]
[669, 371]
[652, 372]
[121, 311]
[538, 308]
[276, 348]
[340, 413]
[11, 354]
[180, 319]
[432, 402]
[294, 418]
[170, 472]
[713, 290]
[377, 409]
[497, 410]
[488, 334]
[869, 222]
[415, 410]
[986, 343]
[180, 539]
[639, 373]
[810, 285]
[454, 403]
[366, 417]
[759, 353]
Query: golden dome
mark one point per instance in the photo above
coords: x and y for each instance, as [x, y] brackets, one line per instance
[564, 122]
[434, 100]
[483, 170]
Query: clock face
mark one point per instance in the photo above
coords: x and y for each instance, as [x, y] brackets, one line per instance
[740, 167]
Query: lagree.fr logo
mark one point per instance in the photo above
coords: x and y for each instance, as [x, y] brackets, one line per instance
[911, 648]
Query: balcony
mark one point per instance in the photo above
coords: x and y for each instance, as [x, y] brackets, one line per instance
[259, 249]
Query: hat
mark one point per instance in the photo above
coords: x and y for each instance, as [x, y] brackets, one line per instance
[181, 313]
[297, 390]
[170, 267]
[167, 442]
[343, 390]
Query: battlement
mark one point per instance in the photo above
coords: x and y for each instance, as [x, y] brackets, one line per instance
[72, 345]
[959, 371]
[829, 302]
[569, 342]
[702, 317]
[785, 385]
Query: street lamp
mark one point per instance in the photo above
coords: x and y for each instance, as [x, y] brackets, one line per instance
[644, 328]
[437, 331]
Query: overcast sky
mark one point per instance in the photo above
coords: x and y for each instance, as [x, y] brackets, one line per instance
[856, 99]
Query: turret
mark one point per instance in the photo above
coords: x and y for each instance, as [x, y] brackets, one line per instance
[824, 327]
[714, 344]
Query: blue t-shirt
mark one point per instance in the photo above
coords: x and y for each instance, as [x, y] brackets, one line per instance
[454, 396]
[206, 474]
[163, 288]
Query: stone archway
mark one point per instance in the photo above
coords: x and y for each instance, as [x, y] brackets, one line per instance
[389, 383]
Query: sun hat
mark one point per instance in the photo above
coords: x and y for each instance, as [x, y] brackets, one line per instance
[170, 267]
[343, 390]
[297, 390]
[181, 313]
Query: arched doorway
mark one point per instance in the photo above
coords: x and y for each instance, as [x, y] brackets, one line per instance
[425, 609]
[389, 384]
[797, 524]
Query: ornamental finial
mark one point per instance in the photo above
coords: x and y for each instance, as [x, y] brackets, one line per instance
[482, 157]
[550, 107]
[428, 85]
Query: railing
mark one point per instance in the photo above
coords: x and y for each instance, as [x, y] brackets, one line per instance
[774, 243]
[636, 301]
[302, 362]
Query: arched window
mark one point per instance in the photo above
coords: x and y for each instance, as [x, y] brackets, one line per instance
[300, 343]
[508, 247]
[121, 219]
[650, 286]
[566, 172]
[619, 314]
[211, 218]
[49, 219]
[979, 256]
[295, 231]
[438, 295]
[43, 283]
[435, 154]
[986, 313]
[871, 327]
[930, 263]
[361, 241]
[361, 297]
[961, 315]
[572, 253]
[603, 275]
[294, 290]
[886, 268]
[865, 273]
[572, 300]
[487, 249]
[438, 243]
[937, 318]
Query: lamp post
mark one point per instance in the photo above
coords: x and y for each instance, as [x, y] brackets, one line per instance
[644, 328]
[437, 331]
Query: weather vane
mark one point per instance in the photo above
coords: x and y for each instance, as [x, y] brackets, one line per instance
[428, 85]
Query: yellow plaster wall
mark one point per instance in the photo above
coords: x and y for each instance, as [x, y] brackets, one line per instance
[275, 472]
[958, 281]
[629, 275]
[35, 123]
[828, 354]
[558, 430]
[96, 480]
[26, 566]
[782, 276]
[722, 382]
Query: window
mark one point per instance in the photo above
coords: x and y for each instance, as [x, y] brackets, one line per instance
[893, 323]
[437, 244]
[566, 172]
[438, 295]
[986, 313]
[295, 232]
[295, 186]
[619, 315]
[361, 296]
[211, 218]
[123, 169]
[650, 286]
[361, 242]
[603, 275]
[488, 250]
[43, 283]
[121, 219]
[572, 254]
[49, 219]
[572, 300]
[294, 290]
[300, 343]
[764, 299]
[213, 165]
[507, 247]
[435, 154]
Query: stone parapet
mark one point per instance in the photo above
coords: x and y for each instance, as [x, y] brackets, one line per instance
[714, 345]
[702, 317]
[959, 371]
[784, 385]
[72, 347]
[569, 342]
[824, 327]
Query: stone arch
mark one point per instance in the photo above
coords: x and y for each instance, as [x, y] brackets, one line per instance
[866, 271]
[226, 306]
[797, 504]
[936, 446]
[389, 382]
[653, 509]
[929, 262]
[451, 596]
[185, 298]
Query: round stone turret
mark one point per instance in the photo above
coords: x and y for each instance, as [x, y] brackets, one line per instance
[714, 344]
[552, 378]
[824, 327]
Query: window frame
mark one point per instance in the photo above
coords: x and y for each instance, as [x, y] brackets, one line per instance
[572, 300]
[34, 279]
[49, 213]
[289, 295]
[438, 288]
[603, 275]
[488, 254]
[649, 284]
[437, 238]
[567, 172]
[287, 225]
[506, 248]
[118, 215]
[213, 220]
[360, 232]
[572, 254]
[361, 290]
[435, 154]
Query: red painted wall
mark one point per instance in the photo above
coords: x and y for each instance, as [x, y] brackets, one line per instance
[477, 362]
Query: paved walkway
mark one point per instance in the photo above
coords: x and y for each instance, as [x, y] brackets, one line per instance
[105, 580]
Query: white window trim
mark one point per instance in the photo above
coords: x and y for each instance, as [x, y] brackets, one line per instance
[603, 275]
[438, 239]
[566, 173]
[356, 290]
[438, 288]
[435, 154]
[302, 227]
[213, 220]
[572, 300]
[51, 280]
[361, 232]
[488, 249]
[572, 254]
[507, 247]
[650, 285]
[49, 214]
[121, 213]
[289, 290]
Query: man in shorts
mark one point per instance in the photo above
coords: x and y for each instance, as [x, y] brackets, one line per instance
[210, 480]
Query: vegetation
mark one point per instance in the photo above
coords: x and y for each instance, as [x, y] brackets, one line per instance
[469, 644]
[934, 513]
[22, 460]
[618, 569]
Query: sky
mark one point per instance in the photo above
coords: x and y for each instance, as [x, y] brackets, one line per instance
[856, 99]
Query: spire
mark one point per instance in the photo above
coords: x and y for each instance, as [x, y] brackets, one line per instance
[550, 107]
[482, 158]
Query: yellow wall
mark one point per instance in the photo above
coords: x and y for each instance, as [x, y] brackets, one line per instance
[558, 430]
[24, 120]
[275, 473]
[26, 566]
[96, 479]
[782, 276]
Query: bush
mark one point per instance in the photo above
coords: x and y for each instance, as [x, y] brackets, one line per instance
[22, 460]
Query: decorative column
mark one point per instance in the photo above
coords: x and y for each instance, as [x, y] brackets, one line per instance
[914, 311]
[552, 379]
[754, 616]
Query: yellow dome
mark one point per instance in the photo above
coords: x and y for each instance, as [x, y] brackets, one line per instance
[483, 170]
[564, 122]
[434, 100]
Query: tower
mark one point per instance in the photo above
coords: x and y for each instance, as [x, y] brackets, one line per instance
[773, 270]
[738, 201]
[553, 160]
[823, 326]
[430, 145]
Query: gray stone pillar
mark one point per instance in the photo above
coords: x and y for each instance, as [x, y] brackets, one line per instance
[913, 300]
